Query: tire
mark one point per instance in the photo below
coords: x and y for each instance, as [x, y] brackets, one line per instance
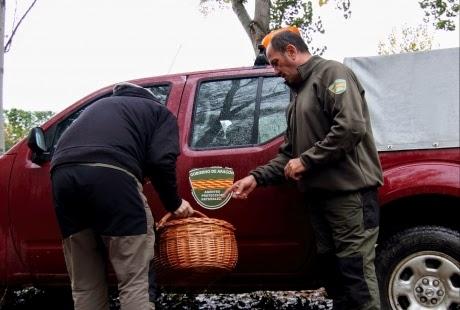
[419, 268]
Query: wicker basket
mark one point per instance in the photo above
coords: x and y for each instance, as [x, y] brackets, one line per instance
[194, 249]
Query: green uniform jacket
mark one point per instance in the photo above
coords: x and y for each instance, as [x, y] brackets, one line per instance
[329, 129]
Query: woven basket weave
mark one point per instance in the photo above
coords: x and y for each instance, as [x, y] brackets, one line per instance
[194, 249]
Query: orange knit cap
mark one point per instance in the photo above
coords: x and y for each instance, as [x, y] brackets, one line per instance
[268, 38]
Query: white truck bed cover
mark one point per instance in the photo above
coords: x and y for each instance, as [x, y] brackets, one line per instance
[413, 98]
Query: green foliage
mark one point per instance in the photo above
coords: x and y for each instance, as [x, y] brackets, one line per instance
[208, 6]
[301, 14]
[298, 13]
[19, 122]
[409, 39]
[442, 12]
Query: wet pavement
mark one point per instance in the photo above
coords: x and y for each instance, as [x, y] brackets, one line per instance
[60, 298]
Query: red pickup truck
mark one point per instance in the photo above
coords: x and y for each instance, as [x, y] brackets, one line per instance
[235, 118]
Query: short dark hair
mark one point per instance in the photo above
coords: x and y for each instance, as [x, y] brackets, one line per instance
[281, 40]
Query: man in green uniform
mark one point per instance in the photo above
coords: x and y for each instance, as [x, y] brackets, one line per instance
[329, 151]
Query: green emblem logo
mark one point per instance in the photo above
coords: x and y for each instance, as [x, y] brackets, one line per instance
[208, 185]
[339, 86]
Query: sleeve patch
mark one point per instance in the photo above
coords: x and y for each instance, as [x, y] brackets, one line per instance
[339, 86]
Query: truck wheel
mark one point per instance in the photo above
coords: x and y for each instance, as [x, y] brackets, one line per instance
[419, 268]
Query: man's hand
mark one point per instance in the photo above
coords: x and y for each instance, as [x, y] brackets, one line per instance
[184, 210]
[242, 188]
[294, 169]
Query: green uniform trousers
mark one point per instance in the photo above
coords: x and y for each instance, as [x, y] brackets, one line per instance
[346, 228]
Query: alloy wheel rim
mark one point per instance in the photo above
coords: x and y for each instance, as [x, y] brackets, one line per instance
[427, 279]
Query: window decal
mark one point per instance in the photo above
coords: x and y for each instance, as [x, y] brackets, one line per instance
[208, 185]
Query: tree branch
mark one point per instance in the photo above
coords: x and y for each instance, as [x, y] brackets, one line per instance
[243, 17]
[15, 28]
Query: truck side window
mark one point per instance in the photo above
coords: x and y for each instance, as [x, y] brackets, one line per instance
[224, 114]
[160, 92]
[239, 112]
[274, 101]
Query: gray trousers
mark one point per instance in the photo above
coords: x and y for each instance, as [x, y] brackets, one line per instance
[346, 231]
[85, 262]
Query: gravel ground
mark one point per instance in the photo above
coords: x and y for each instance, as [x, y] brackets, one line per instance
[34, 298]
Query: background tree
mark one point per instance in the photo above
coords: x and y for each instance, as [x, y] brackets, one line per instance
[443, 13]
[6, 48]
[19, 122]
[269, 15]
[408, 39]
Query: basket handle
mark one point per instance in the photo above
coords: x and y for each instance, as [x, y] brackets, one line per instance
[170, 214]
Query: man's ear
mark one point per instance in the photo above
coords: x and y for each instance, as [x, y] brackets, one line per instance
[291, 51]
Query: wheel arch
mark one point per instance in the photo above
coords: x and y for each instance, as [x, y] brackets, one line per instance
[423, 193]
[428, 209]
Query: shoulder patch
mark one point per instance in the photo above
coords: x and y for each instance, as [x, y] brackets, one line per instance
[339, 86]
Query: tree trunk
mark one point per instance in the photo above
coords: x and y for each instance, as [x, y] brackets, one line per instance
[255, 29]
[261, 20]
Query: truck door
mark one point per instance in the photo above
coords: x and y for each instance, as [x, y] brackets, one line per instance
[34, 227]
[237, 119]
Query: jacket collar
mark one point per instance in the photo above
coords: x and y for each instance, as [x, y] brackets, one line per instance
[134, 92]
[305, 70]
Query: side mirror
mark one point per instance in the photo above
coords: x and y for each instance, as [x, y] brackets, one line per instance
[36, 142]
